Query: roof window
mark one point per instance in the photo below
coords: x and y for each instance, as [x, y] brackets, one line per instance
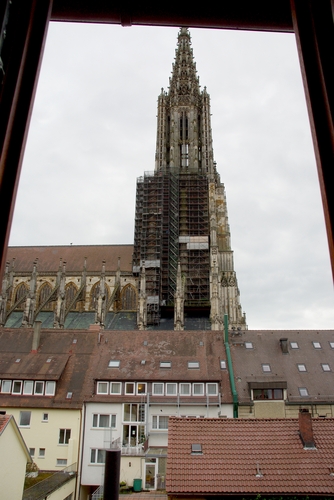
[165, 364]
[301, 367]
[249, 345]
[114, 363]
[316, 345]
[196, 449]
[193, 364]
[325, 367]
[266, 367]
[294, 345]
[331, 345]
[223, 364]
[303, 391]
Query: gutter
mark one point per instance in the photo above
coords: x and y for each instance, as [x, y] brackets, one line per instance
[230, 368]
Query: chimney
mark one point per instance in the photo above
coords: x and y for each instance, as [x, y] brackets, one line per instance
[284, 345]
[305, 429]
[36, 336]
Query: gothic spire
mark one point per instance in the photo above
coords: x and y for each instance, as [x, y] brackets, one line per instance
[184, 82]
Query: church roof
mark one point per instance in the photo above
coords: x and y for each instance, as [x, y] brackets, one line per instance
[74, 256]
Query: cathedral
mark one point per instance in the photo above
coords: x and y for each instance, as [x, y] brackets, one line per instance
[178, 274]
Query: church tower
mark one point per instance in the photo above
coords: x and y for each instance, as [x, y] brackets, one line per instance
[182, 250]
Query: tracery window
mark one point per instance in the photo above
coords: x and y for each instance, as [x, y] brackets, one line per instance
[129, 298]
[21, 292]
[70, 292]
[44, 292]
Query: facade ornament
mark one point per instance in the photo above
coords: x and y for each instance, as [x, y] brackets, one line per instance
[29, 309]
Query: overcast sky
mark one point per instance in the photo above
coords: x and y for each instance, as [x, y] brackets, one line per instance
[93, 132]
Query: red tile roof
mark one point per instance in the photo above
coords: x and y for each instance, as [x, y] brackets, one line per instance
[4, 419]
[74, 256]
[249, 457]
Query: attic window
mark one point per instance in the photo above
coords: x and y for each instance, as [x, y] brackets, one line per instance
[303, 391]
[193, 364]
[316, 345]
[325, 367]
[266, 368]
[301, 367]
[249, 345]
[17, 360]
[69, 395]
[74, 341]
[114, 363]
[49, 360]
[331, 345]
[196, 449]
[165, 364]
[294, 345]
[223, 364]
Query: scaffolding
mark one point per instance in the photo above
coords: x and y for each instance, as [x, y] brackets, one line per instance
[171, 226]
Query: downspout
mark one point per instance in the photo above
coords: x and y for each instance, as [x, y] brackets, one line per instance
[230, 369]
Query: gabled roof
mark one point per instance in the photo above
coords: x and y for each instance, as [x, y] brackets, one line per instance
[74, 256]
[81, 357]
[267, 348]
[248, 457]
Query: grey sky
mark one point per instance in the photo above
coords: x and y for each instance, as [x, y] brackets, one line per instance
[93, 133]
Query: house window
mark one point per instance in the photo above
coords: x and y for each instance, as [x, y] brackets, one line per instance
[28, 387]
[198, 389]
[165, 364]
[114, 363]
[97, 456]
[141, 388]
[184, 389]
[39, 388]
[294, 345]
[316, 345]
[259, 394]
[64, 436]
[160, 422]
[129, 388]
[193, 364]
[6, 386]
[157, 389]
[171, 389]
[32, 452]
[325, 367]
[61, 462]
[25, 417]
[301, 367]
[211, 389]
[104, 421]
[17, 387]
[45, 417]
[303, 391]
[102, 387]
[266, 368]
[50, 388]
[115, 388]
[41, 453]
[249, 345]
[133, 412]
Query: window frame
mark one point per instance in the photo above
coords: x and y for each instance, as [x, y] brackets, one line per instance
[25, 384]
[154, 385]
[66, 436]
[48, 384]
[98, 452]
[183, 384]
[172, 385]
[141, 393]
[36, 385]
[99, 384]
[159, 422]
[200, 385]
[97, 417]
[111, 387]
[22, 414]
[301, 367]
[9, 384]
[21, 386]
[215, 386]
[193, 365]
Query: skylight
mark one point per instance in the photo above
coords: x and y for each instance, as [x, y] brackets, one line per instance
[223, 364]
[196, 449]
[114, 363]
[193, 364]
[165, 364]
[301, 367]
[294, 345]
[303, 391]
[266, 368]
[316, 345]
[326, 367]
[249, 345]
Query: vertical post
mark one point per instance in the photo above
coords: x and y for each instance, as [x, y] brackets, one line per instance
[25, 23]
[112, 474]
[314, 30]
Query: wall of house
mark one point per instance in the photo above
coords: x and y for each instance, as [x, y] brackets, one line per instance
[281, 409]
[13, 461]
[64, 491]
[44, 434]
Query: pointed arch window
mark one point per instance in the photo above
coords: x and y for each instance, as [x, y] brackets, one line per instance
[94, 295]
[20, 293]
[70, 292]
[44, 292]
[129, 298]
